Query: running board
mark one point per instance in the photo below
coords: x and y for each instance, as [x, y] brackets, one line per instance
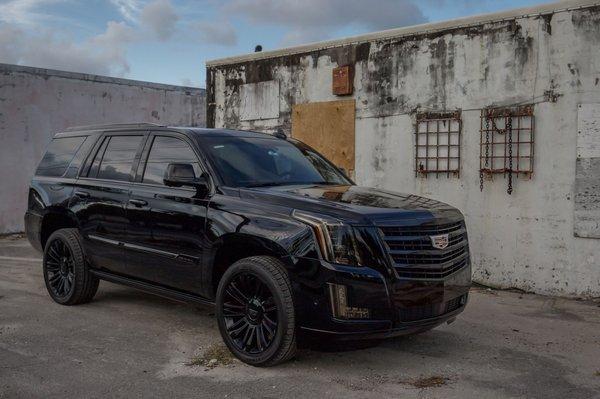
[152, 288]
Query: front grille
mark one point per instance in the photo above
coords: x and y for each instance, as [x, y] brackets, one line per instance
[430, 311]
[414, 255]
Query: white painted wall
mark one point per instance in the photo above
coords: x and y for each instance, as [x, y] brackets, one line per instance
[37, 103]
[525, 240]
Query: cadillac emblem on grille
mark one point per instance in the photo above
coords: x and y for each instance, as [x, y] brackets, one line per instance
[440, 241]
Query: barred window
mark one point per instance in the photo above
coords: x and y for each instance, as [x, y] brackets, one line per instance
[437, 144]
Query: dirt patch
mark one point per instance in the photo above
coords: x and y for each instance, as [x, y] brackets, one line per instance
[214, 356]
[368, 383]
[433, 381]
[12, 236]
[597, 373]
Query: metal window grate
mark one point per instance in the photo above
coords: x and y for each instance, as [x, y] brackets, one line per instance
[506, 142]
[437, 143]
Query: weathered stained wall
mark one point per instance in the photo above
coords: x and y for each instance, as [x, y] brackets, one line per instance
[36, 103]
[525, 240]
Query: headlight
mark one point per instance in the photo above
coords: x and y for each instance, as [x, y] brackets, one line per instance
[337, 241]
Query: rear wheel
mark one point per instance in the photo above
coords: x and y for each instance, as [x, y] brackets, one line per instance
[255, 311]
[68, 280]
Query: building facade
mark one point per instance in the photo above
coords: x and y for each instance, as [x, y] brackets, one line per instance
[498, 115]
[37, 103]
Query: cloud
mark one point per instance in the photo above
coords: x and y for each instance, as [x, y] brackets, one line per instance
[22, 11]
[22, 42]
[103, 54]
[159, 18]
[129, 9]
[189, 83]
[311, 20]
[218, 32]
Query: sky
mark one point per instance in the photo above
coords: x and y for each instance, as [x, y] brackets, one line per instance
[169, 41]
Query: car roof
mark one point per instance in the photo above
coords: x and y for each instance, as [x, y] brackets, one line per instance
[226, 133]
[91, 129]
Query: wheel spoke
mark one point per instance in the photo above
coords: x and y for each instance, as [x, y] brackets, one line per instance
[258, 289]
[231, 313]
[245, 339]
[269, 320]
[267, 327]
[258, 338]
[67, 285]
[52, 264]
[271, 309]
[233, 295]
[263, 339]
[237, 327]
[59, 288]
[52, 254]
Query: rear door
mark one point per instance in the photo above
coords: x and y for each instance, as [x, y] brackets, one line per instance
[167, 224]
[101, 194]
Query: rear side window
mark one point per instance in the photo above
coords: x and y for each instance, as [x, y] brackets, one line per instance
[166, 150]
[115, 158]
[59, 155]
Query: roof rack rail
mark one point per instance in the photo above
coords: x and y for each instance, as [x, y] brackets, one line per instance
[112, 126]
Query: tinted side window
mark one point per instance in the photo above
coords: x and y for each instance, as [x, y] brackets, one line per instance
[58, 156]
[93, 172]
[118, 158]
[79, 157]
[166, 150]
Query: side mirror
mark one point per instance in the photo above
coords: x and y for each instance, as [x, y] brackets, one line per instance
[182, 174]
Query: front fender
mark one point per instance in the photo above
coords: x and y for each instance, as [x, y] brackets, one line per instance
[274, 229]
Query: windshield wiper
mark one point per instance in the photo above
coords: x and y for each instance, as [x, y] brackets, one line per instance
[269, 184]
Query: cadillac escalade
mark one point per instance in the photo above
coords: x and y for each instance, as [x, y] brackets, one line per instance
[262, 227]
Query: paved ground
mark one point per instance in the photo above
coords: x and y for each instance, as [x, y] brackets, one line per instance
[130, 344]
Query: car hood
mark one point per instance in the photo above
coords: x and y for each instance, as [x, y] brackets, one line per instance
[355, 204]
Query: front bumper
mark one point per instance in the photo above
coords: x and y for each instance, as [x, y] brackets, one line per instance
[398, 306]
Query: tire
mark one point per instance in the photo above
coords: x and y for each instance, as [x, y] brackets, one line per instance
[255, 311]
[66, 274]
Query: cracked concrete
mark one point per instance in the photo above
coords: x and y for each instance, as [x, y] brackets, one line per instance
[130, 344]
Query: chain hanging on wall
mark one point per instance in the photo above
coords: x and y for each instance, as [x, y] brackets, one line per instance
[499, 151]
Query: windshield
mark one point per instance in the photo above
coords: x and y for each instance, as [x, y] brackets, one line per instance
[255, 162]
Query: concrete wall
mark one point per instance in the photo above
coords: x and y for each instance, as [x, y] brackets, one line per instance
[550, 58]
[36, 103]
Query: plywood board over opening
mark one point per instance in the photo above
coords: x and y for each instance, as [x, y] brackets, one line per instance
[328, 127]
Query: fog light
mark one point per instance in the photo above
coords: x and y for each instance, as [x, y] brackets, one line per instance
[339, 304]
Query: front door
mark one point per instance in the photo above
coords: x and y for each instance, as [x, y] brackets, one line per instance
[100, 198]
[166, 224]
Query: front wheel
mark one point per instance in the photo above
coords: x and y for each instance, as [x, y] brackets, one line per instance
[255, 311]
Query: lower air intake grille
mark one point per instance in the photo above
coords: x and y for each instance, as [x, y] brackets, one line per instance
[431, 311]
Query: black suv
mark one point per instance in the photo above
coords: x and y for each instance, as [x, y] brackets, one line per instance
[260, 226]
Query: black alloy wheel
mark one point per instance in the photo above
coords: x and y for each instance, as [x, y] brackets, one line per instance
[255, 311]
[60, 269]
[66, 273]
[250, 313]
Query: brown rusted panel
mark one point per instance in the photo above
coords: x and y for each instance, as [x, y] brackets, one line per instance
[343, 80]
[328, 127]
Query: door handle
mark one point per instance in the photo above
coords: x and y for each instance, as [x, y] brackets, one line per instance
[82, 194]
[138, 202]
